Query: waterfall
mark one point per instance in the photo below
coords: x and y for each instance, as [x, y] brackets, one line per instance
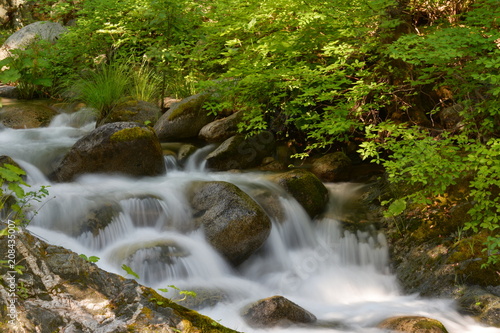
[146, 224]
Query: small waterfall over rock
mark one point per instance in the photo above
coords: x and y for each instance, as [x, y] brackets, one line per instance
[146, 224]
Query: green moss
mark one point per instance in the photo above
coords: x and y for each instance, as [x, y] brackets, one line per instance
[134, 133]
[430, 324]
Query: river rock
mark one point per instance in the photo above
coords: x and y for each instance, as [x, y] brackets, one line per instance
[234, 224]
[221, 129]
[121, 148]
[132, 110]
[26, 115]
[333, 167]
[62, 292]
[45, 30]
[239, 152]
[413, 324]
[306, 188]
[276, 311]
[184, 119]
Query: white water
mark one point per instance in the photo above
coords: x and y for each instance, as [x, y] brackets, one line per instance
[338, 276]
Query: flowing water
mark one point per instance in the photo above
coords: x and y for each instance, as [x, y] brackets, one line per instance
[341, 277]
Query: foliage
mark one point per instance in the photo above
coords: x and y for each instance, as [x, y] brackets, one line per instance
[30, 69]
[92, 259]
[14, 197]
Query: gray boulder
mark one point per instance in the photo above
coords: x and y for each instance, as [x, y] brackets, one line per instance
[234, 224]
[183, 120]
[239, 152]
[221, 129]
[65, 293]
[276, 311]
[45, 30]
[123, 148]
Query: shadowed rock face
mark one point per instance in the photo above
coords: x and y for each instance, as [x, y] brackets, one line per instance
[234, 224]
[132, 110]
[276, 311]
[64, 293]
[122, 148]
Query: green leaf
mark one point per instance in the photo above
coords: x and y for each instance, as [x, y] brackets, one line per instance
[129, 271]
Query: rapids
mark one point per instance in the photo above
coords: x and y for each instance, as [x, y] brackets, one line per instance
[341, 277]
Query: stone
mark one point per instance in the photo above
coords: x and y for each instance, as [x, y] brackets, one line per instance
[141, 112]
[44, 30]
[183, 120]
[306, 188]
[333, 167]
[118, 148]
[221, 129]
[62, 292]
[276, 311]
[413, 324]
[233, 223]
[239, 152]
[26, 115]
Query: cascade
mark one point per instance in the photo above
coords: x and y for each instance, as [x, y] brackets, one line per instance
[340, 276]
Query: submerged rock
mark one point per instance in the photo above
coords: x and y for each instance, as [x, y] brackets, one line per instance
[413, 324]
[121, 148]
[62, 292]
[234, 224]
[276, 311]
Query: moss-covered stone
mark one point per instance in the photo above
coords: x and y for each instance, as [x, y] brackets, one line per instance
[414, 324]
[134, 133]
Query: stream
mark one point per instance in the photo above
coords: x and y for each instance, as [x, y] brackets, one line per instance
[341, 277]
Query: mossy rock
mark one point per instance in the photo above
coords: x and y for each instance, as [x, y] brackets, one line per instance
[125, 148]
[306, 188]
[132, 110]
[26, 115]
[413, 324]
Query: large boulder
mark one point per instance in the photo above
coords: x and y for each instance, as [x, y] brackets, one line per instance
[61, 292]
[306, 188]
[140, 112]
[413, 324]
[26, 115]
[233, 223]
[49, 31]
[333, 167]
[221, 129]
[276, 311]
[122, 148]
[239, 152]
[184, 119]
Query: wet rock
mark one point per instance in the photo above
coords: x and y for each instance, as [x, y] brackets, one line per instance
[483, 305]
[239, 152]
[233, 223]
[120, 148]
[221, 129]
[276, 311]
[306, 188]
[8, 92]
[183, 120]
[140, 112]
[333, 167]
[64, 293]
[44, 30]
[413, 324]
[26, 115]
